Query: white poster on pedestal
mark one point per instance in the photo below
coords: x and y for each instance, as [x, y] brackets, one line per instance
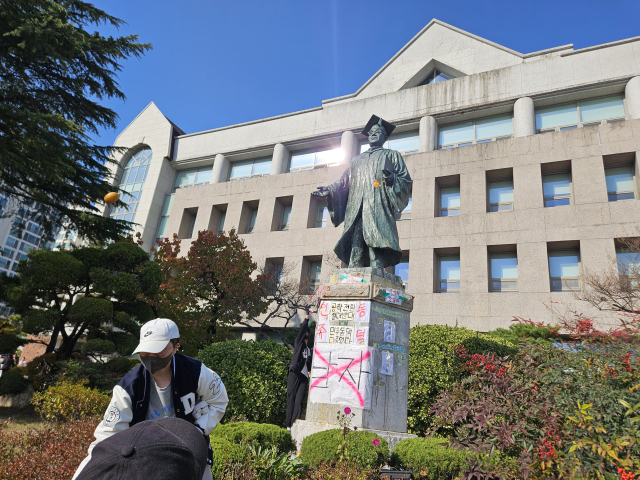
[322, 328]
[342, 375]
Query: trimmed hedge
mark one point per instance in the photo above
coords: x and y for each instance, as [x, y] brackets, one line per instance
[13, 382]
[434, 367]
[261, 434]
[225, 454]
[255, 376]
[322, 447]
[70, 401]
[428, 459]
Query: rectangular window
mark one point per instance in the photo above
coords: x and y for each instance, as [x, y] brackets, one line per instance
[322, 214]
[6, 253]
[314, 272]
[194, 177]
[449, 201]
[317, 158]
[500, 195]
[449, 274]
[260, 167]
[402, 270]
[252, 220]
[191, 227]
[4, 264]
[164, 218]
[12, 242]
[556, 189]
[406, 143]
[476, 131]
[628, 261]
[620, 183]
[223, 216]
[564, 270]
[286, 217]
[406, 213]
[580, 114]
[504, 272]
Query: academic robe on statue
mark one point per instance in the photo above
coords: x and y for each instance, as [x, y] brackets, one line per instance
[362, 186]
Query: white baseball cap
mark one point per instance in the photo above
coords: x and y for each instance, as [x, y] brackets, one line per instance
[156, 334]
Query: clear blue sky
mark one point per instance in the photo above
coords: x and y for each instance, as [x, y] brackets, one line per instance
[218, 63]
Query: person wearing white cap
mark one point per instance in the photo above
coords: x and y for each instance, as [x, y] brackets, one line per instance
[165, 384]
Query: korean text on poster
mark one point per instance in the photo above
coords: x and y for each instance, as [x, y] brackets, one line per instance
[387, 363]
[390, 331]
[341, 334]
[362, 335]
[343, 311]
[342, 374]
[393, 296]
[322, 329]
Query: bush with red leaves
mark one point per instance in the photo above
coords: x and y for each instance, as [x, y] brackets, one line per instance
[53, 452]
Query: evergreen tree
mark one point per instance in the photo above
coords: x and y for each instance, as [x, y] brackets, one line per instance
[53, 74]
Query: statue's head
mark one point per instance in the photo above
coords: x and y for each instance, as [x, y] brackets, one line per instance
[377, 136]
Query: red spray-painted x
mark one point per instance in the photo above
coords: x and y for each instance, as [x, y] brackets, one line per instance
[340, 371]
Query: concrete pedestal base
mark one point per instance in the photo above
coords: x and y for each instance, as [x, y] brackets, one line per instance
[304, 428]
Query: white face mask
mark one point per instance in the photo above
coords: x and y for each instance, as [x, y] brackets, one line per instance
[154, 364]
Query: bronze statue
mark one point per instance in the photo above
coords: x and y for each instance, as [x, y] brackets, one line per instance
[374, 187]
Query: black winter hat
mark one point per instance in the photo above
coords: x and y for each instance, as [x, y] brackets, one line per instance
[163, 449]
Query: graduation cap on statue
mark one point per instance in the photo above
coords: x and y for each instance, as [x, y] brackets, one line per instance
[375, 120]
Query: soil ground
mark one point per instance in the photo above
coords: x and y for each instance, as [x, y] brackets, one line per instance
[22, 419]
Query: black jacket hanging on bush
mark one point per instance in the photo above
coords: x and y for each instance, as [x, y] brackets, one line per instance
[297, 361]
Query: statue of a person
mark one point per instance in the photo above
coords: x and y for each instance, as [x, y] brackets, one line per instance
[374, 187]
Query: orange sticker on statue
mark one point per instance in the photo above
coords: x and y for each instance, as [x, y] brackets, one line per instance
[376, 184]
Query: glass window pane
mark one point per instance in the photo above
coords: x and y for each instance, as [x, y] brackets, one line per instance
[142, 173]
[601, 108]
[628, 261]
[556, 185]
[564, 264]
[403, 142]
[619, 179]
[166, 207]
[302, 159]
[556, 115]
[450, 267]
[441, 76]
[252, 219]
[162, 225]
[223, 215]
[322, 215]
[314, 272]
[286, 215]
[505, 207]
[494, 126]
[130, 175]
[557, 203]
[456, 133]
[402, 270]
[204, 176]
[261, 166]
[504, 265]
[241, 169]
[407, 209]
[450, 197]
[501, 191]
[335, 155]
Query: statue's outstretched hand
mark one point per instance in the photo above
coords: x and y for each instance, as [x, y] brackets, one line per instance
[321, 192]
[388, 177]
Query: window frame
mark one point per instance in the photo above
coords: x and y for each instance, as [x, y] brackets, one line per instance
[581, 124]
[221, 220]
[319, 222]
[315, 165]
[562, 280]
[252, 219]
[622, 192]
[440, 258]
[511, 203]
[251, 175]
[475, 140]
[121, 213]
[558, 197]
[434, 73]
[453, 209]
[405, 214]
[194, 184]
[285, 226]
[493, 280]
[412, 151]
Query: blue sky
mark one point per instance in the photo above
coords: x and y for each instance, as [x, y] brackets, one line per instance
[219, 63]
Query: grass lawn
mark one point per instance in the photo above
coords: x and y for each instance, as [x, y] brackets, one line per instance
[22, 419]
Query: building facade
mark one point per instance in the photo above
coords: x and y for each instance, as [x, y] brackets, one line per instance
[524, 172]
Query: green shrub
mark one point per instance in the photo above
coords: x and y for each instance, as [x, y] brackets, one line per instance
[13, 382]
[70, 401]
[103, 376]
[433, 365]
[9, 342]
[518, 332]
[324, 447]
[225, 454]
[261, 434]
[428, 458]
[255, 376]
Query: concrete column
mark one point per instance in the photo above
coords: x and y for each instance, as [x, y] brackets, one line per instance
[428, 134]
[349, 145]
[632, 95]
[220, 169]
[524, 118]
[280, 160]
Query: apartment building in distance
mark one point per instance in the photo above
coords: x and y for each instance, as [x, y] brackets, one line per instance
[524, 172]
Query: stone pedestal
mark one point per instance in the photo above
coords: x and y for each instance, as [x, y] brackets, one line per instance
[361, 355]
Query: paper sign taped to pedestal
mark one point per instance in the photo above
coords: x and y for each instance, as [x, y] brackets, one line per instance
[342, 375]
[390, 331]
[362, 336]
[350, 312]
[322, 329]
[387, 363]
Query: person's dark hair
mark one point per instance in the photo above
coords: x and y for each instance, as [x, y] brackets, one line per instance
[175, 341]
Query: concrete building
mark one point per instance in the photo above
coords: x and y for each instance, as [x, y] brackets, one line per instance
[524, 169]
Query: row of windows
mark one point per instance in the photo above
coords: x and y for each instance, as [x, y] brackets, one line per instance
[564, 269]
